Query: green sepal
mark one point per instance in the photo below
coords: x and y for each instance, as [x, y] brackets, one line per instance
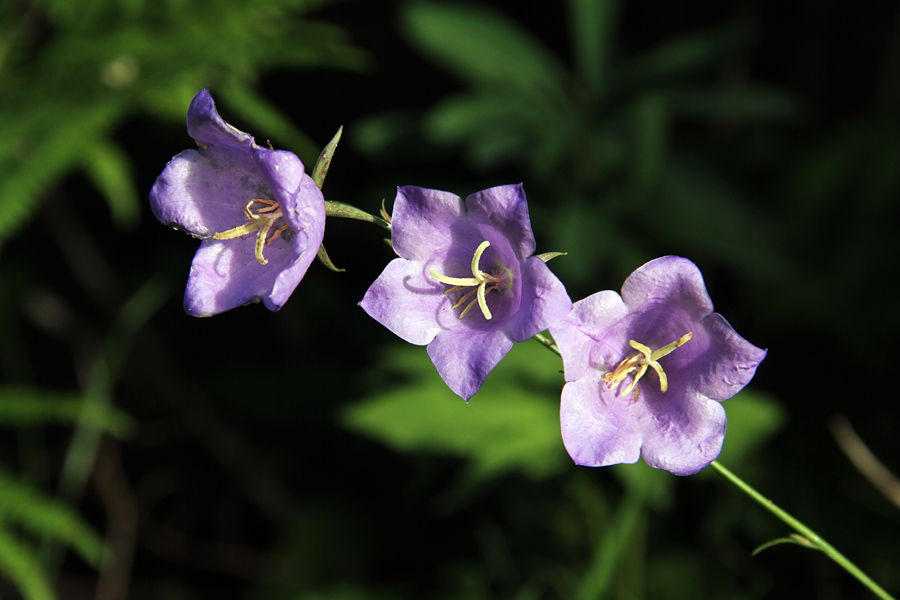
[323, 257]
[321, 169]
[333, 208]
[548, 256]
[794, 538]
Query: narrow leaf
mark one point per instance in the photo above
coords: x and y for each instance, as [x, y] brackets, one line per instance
[21, 503]
[323, 257]
[19, 564]
[321, 169]
[22, 406]
[592, 24]
[482, 46]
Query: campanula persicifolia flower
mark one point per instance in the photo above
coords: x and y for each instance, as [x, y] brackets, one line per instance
[466, 283]
[260, 216]
[647, 371]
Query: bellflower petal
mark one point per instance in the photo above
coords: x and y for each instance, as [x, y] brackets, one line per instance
[261, 217]
[465, 283]
[647, 371]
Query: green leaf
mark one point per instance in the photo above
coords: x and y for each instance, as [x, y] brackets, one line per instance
[320, 170]
[493, 127]
[24, 505]
[109, 169]
[794, 538]
[691, 53]
[482, 47]
[755, 104]
[19, 564]
[22, 406]
[753, 418]
[24, 179]
[512, 424]
[592, 24]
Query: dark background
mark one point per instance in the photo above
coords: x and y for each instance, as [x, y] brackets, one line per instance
[763, 143]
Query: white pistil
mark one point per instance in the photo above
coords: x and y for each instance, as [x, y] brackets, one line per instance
[261, 222]
[637, 365]
[483, 282]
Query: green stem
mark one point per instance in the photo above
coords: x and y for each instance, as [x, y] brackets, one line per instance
[341, 210]
[805, 531]
[547, 342]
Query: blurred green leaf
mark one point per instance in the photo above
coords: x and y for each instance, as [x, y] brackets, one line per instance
[753, 418]
[714, 218]
[482, 46]
[21, 566]
[651, 138]
[62, 96]
[110, 170]
[24, 505]
[511, 424]
[592, 24]
[22, 406]
[685, 55]
[750, 104]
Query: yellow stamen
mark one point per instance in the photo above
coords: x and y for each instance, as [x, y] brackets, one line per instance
[636, 365]
[261, 222]
[483, 282]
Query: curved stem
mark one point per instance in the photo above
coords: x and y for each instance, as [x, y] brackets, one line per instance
[547, 342]
[805, 531]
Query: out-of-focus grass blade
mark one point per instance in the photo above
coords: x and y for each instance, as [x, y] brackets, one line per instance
[22, 504]
[22, 406]
[19, 564]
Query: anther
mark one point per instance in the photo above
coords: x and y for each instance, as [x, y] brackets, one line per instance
[636, 365]
[260, 221]
[481, 281]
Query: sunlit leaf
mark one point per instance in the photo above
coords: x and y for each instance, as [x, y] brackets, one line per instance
[512, 424]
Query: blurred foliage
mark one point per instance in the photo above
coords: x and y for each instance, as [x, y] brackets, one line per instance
[306, 454]
[596, 138]
[72, 72]
[511, 425]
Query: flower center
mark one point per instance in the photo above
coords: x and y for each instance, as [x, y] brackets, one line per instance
[483, 283]
[260, 221]
[637, 364]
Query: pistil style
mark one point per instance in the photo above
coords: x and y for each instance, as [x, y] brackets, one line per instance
[260, 221]
[483, 283]
[637, 366]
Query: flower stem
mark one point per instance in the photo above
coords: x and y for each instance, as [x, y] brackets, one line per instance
[334, 208]
[811, 536]
[547, 342]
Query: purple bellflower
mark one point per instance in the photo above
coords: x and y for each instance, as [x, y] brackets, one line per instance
[260, 216]
[466, 283]
[647, 371]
